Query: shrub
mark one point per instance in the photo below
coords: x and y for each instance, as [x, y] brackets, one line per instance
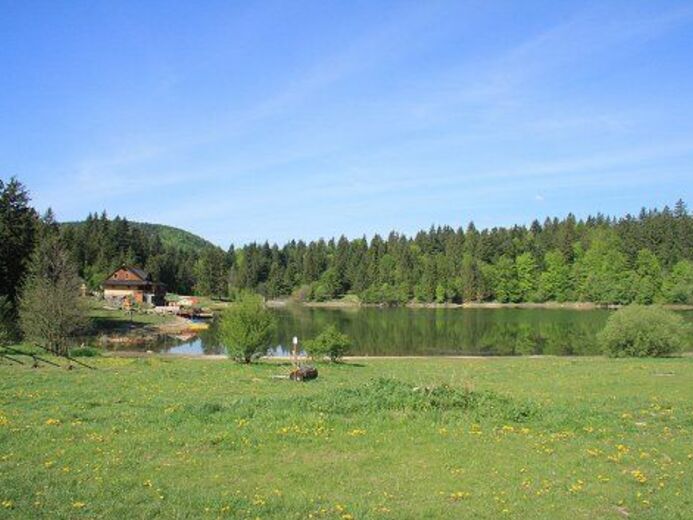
[85, 352]
[330, 342]
[640, 331]
[246, 328]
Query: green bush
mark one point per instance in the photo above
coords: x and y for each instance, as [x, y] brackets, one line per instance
[640, 331]
[330, 342]
[246, 328]
[85, 352]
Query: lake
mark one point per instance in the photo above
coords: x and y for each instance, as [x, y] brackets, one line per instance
[430, 332]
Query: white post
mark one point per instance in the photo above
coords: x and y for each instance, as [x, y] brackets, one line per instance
[294, 351]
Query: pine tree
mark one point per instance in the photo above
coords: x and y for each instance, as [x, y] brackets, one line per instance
[18, 224]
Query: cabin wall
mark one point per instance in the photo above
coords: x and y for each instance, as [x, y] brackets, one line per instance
[119, 294]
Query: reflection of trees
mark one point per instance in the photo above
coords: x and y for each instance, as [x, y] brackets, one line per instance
[404, 331]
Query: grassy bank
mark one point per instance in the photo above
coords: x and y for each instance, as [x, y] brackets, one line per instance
[425, 438]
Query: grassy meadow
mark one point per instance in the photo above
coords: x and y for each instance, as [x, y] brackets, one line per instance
[411, 438]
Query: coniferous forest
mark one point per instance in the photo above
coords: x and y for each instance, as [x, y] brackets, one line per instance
[646, 259]
[600, 259]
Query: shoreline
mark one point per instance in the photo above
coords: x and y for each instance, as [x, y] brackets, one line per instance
[346, 359]
[350, 304]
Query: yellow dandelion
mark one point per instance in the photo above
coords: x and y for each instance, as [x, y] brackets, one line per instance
[576, 487]
[78, 505]
[459, 495]
[639, 476]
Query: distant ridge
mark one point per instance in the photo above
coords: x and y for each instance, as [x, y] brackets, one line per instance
[170, 236]
[173, 236]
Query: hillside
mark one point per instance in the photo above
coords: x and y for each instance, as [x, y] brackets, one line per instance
[175, 237]
[170, 236]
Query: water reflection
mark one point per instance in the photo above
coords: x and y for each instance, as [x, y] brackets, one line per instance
[403, 331]
[416, 332]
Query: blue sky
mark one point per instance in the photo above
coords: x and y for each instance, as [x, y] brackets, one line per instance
[246, 121]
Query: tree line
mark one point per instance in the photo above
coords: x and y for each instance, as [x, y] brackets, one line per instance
[646, 258]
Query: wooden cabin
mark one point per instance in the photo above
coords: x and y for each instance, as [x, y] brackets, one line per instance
[133, 284]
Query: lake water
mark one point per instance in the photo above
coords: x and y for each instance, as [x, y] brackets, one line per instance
[429, 332]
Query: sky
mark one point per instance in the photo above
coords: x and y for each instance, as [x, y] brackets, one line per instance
[253, 121]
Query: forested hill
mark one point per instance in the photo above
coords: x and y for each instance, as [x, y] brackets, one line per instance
[175, 237]
[170, 236]
[100, 244]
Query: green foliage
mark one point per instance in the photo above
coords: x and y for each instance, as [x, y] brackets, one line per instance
[85, 352]
[18, 225]
[555, 282]
[678, 286]
[175, 238]
[441, 293]
[639, 331]
[246, 328]
[211, 273]
[8, 330]
[505, 281]
[386, 294]
[527, 277]
[648, 277]
[471, 279]
[330, 342]
[602, 272]
[50, 309]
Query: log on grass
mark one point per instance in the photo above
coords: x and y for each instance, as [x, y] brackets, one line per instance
[304, 373]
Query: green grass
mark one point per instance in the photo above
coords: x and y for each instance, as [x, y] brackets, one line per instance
[428, 438]
[113, 320]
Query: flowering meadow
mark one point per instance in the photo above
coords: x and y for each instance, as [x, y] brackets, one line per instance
[412, 438]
